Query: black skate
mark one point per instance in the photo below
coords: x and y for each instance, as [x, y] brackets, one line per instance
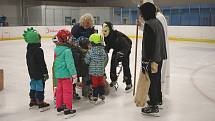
[60, 110]
[33, 105]
[93, 99]
[151, 111]
[44, 106]
[68, 113]
[160, 104]
[128, 88]
[114, 84]
[102, 97]
[76, 97]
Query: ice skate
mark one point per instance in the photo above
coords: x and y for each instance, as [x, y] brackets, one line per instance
[151, 111]
[60, 110]
[93, 99]
[68, 113]
[76, 97]
[114, 84]
[44, 106]
[33, 105]
[102, 97]
[128, 88]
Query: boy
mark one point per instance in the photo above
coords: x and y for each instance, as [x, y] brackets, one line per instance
[36, 67]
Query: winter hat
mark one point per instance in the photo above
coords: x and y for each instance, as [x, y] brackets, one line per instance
[84, 42]
[148, 10]
[31, 36]
[107, 28]
[146, 1]
[63, 35]
[96, 38]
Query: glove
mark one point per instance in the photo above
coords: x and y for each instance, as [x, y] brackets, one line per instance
[154, 67]
[145, 66]
[74, 79]
[45, 77]
[119, 56]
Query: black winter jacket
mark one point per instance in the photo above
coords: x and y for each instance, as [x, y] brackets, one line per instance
[78, 31]
[153, 44]
[36, 62]
[118, 42]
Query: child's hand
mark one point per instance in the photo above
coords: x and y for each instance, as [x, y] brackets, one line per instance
[45, 77]
[74, 79]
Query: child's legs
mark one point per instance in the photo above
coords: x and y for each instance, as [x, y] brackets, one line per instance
[101, 90]
[39, 87]
[67, 93]
[101, 84]
[59, 94]
[85, 85]
[32, 92]
[96, 83]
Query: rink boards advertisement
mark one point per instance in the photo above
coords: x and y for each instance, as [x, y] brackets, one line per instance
[178, 33]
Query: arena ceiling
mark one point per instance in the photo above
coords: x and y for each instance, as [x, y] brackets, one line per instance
[113, 3]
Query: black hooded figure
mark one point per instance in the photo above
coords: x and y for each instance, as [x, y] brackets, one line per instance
[153, 54]
[121, 46]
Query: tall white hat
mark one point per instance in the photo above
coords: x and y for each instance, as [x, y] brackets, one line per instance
[145, 1]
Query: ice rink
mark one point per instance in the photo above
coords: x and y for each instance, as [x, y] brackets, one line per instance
[189, 96]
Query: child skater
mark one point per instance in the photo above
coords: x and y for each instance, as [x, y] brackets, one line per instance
[96, 59]
[36, 68]
[65, 72]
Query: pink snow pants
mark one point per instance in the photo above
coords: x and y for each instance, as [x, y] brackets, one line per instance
[64, 93]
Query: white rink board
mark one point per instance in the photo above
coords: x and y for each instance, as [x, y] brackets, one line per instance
[193, 32]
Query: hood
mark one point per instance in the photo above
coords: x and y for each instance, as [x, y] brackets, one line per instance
[60, 49]
[31, 47]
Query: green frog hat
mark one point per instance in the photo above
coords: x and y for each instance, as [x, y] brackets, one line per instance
[31, 36]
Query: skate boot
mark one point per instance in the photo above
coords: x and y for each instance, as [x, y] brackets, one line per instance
[60, 110]
[68, 113]
[33, 104]
[102, 97]
[151, 111]
[76, 96]
[160, 104]
[43, 106]
[93, 99]
[128, 88]
[114, 84]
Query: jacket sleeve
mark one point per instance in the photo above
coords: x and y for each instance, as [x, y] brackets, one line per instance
[70, 62]
[125, 43]
[87, 58]
[41, 61]
[149, 44]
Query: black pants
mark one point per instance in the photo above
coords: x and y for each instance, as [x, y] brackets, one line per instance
[98, 91]
[155, 94]
[125, 65]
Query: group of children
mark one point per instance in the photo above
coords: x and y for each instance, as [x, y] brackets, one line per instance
[64, 68]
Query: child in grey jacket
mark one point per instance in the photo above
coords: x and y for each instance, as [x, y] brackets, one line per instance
[96, 59]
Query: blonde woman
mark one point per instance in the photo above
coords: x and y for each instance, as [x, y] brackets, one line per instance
[82, 30]
[85, 26]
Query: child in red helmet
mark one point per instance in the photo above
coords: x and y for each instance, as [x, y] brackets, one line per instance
[65, 72]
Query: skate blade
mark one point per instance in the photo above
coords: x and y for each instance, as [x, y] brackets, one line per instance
[160, 107]
[130, 90]
[44, 109]
[99, 102]
[34, 108]
[151, 114]
[60, 113]
[69, 116]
